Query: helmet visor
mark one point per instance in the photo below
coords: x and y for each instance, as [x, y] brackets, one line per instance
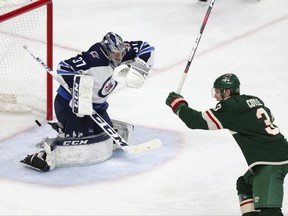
[117, 55]
[215, 92]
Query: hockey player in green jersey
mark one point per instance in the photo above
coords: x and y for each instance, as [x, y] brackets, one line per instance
[250, 122]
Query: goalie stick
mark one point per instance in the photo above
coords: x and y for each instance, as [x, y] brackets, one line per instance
[195, 46]
[131, 149]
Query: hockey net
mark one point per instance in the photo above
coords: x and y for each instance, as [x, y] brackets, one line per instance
[25, 86]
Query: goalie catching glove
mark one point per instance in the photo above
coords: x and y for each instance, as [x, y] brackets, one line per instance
[176, 102]
[132, 74]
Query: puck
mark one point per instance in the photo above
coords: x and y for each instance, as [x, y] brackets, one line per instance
[38, 123]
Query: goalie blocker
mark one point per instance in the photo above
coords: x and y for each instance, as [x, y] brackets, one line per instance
[81, 102]
[62, 152]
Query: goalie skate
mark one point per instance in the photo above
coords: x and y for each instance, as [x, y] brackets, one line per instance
[37, 161]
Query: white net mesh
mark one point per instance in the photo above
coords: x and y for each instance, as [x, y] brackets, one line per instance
[11, 5]
[22, 79]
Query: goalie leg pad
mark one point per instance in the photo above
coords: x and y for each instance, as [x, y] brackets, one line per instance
[47, 140]
[62, 152]
[83, 151]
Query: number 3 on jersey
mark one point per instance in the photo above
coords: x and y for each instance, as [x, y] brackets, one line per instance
[79, 62]
[270, 129]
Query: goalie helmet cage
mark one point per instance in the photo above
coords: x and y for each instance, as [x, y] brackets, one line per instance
[24, 84]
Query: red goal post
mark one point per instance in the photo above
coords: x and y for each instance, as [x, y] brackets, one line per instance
[24, 85]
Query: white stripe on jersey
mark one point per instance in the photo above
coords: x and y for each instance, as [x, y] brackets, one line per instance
[212, 122]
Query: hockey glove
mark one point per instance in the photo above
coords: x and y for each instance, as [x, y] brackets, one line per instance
[140, 66]
[132, 73]
[176, 102]
[127, 75]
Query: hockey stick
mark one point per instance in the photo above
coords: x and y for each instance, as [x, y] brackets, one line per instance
[131, 149]
[195, 47]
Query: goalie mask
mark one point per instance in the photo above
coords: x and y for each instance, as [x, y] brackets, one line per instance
[114, 48]
[228, 81]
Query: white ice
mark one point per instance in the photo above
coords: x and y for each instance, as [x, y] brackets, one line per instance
[194, 172]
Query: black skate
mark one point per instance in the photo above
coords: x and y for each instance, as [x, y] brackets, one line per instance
[37, 161]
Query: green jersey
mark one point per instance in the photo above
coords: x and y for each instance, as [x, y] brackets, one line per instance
[251, 125]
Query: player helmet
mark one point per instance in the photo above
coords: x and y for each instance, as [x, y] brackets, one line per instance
[114, 48]
[228, 81]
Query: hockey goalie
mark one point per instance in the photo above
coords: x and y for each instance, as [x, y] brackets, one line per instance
[89, 78]
[65, 151]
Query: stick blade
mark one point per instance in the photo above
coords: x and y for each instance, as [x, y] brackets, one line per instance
[143, 147]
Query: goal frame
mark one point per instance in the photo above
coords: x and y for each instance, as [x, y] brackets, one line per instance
[49, 24]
